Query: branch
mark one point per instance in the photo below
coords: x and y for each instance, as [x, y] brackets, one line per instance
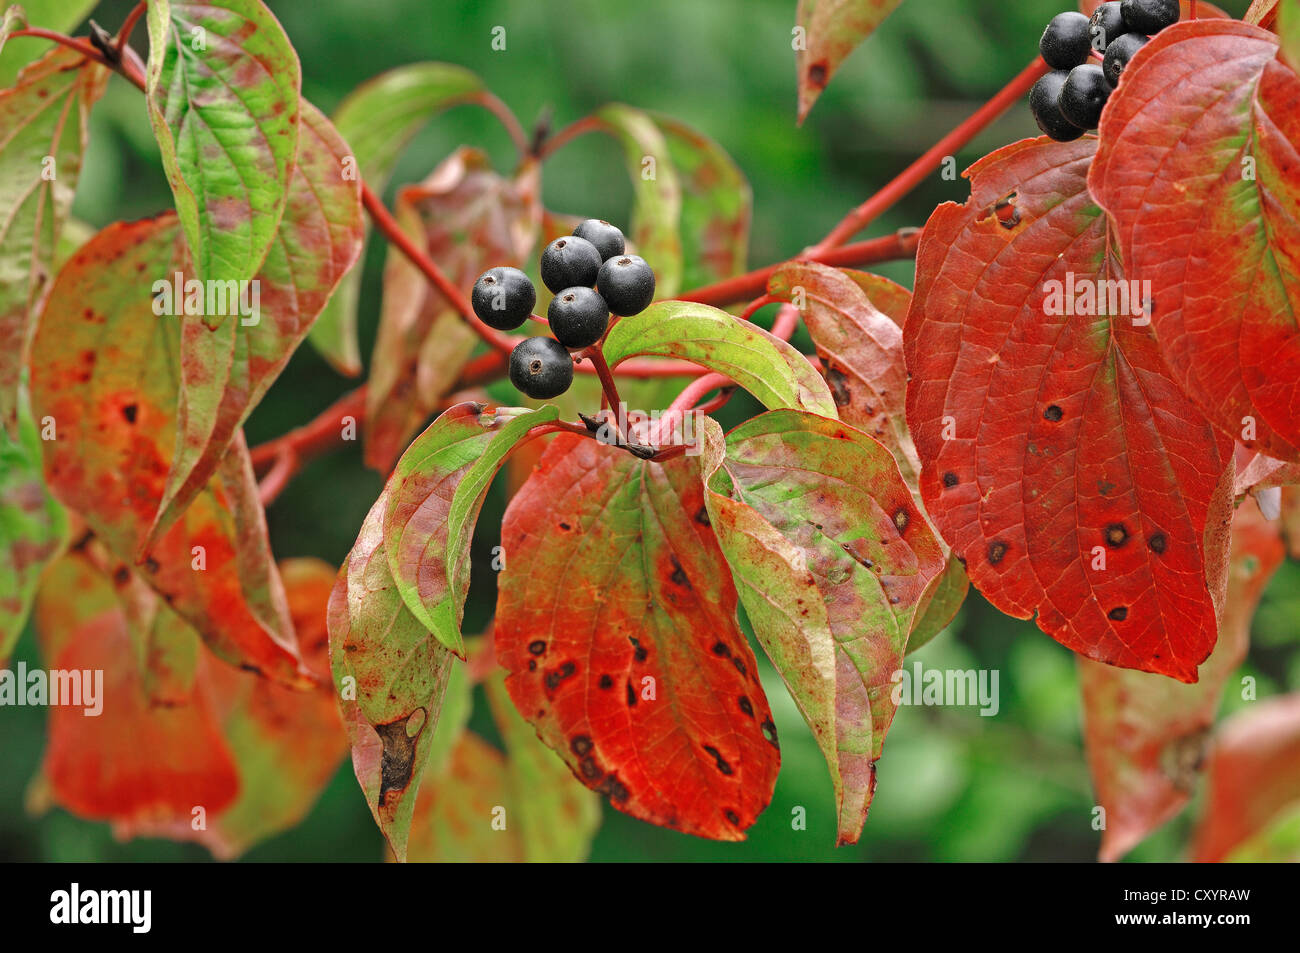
[312, 439]
[914, 174]
[899, 246]
[123, 67]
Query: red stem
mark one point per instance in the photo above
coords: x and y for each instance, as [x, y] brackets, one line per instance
[566, 135]
[913, 175]
[128, 25]
[494, 105]
[901, 245]
[124, 68]
[312, 439]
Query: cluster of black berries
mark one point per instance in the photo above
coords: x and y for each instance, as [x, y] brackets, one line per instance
[1068, 101]
[590, 278]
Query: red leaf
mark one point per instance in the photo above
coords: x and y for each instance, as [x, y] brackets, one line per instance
[615, 591]
[133, 762]
[1145, 734]
[1068, 442]
[1199, 169]
[104, 368]
[1254, 776]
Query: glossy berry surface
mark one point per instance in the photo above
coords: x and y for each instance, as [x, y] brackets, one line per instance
[569, 261]
[1066, 42]
[578, 317]
[1044, 102]
[627, 284]
[1150, 16]
[1084, 95]
[541, 368]
[503, 298]
[1107, 24]
[1119, 53]
[607, 238]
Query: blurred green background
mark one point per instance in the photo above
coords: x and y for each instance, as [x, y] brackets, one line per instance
[953, 785]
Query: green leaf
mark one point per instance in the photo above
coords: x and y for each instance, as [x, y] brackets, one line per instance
[223, 88]
[832, 557]
[391, 675]
[940, 603]
[32, 528]
[58, 15]
[833, 29]
[226, 370]
[657, 207]
[717, 204]
[1288, 28]
[467, 218]
[434, 497]
[769, 368]
[43, 120]
[379, 119]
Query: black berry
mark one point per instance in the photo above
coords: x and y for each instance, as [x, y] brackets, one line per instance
[1066, 41]
[627, 284]
[1150, 16]
[578, 317]
[503, 298]
[1084, 95]
[1107, 24]
[541, 368]
[568, 262]
[607, 238]
[1119, 53]
[1045, 103]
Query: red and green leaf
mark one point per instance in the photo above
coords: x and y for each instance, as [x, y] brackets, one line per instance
[32, 527]
[391, 674]
[861, 351]
[616, 621]
[223, 87]
[832, 557]
[1198, 170]
[466, 218]
[1053, 445]
[1146, 735]
[433, 502]
[1254, 777]
[44, 121]
[225, 371]
[378, 119]
[105, 370]
[776, 374]
[832, 30]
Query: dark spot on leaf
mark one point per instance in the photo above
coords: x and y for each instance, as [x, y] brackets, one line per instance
[723, 766]
[129, 413]
[1119, 613]
[746, 706]
[122, 575]
[537, 647]
[1116, 535]
[1053, 413]
[631, 696]
[769, 732]
[839, 384]
[678, 577]
[640, 654]
[580, 744]
[740, 666]
[901, 519]
[532, 665]
[399, 754]
[702, 517]
[613, 788]
[720, 649]
[590, 770]
[997, 550]
[1158, 542]
[817, 74]
[950, 480]
[565, 526]
[554, 678]
[606, 682]
[151, 565]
